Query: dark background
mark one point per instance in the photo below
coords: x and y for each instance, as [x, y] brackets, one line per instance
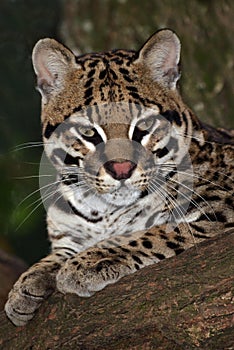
[206, 29]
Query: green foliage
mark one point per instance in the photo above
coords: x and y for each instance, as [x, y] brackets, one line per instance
[22, 23]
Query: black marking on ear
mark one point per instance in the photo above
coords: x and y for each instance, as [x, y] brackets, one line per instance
[50, 129]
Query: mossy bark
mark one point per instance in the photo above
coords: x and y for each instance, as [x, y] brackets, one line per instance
[185, 302]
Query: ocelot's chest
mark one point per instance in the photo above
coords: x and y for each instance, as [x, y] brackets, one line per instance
[87, 219]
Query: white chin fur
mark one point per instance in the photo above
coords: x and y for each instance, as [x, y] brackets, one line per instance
[122, 196]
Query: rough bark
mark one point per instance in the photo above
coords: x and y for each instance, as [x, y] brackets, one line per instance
[185, 302]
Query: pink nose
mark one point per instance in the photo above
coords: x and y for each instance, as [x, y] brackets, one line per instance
[120, 169]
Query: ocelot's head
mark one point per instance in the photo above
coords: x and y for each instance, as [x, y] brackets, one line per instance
[113, 122]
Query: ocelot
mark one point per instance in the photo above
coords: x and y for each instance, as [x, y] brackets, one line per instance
[139, 177]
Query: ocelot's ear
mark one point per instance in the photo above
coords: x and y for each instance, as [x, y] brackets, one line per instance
[161, 54]
[51, 62]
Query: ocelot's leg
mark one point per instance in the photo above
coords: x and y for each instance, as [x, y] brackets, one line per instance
[93, 269]
[34, 286]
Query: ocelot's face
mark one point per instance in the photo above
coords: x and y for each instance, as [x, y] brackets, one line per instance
[115, 150]
[113, 122]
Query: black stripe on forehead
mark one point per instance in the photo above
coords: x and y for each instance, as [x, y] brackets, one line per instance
[135, 110]
[111, 113]
[89, 112]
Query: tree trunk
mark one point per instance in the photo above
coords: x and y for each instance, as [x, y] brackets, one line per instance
[184, 302]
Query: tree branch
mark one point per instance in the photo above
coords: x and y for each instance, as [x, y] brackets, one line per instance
[181, 303]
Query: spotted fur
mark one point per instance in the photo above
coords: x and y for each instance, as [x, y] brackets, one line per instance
[140, 178]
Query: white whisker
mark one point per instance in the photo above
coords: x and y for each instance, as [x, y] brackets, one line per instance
[193, 175]
[31, 176]
[172, 202]
[28, 145]
[189, 198]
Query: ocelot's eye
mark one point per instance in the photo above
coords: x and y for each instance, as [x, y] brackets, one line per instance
[143, 128]
[86, 131]
[90, 134]
[145, 124]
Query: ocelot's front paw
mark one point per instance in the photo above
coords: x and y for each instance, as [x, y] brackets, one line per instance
[27, 295]
[84, 278]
